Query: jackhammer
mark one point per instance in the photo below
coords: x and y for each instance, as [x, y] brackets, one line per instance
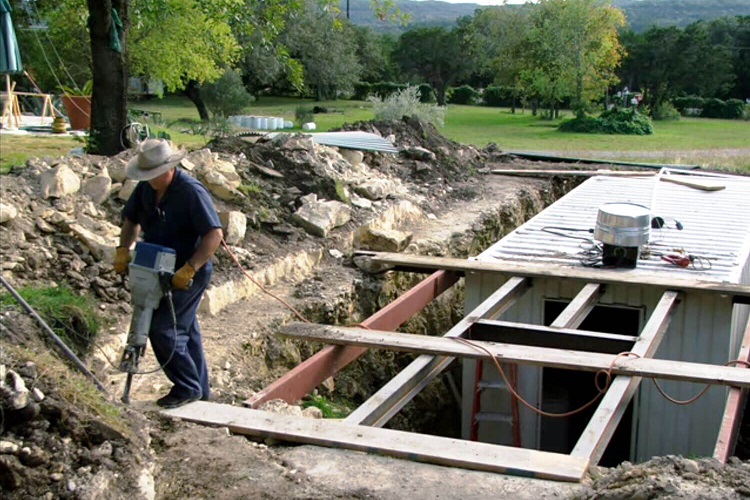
[150, 275]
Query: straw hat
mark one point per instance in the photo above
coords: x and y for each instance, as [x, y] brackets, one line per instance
[153, 158]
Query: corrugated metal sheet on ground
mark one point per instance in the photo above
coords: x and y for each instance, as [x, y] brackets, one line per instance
[716, 225]
[365, 141]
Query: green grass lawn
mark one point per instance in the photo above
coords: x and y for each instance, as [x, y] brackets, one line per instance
[687, 141]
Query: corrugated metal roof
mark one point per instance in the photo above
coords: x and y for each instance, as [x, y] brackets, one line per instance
[716, 226]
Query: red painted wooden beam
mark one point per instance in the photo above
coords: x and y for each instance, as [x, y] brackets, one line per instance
[300, 381]
[732, 418]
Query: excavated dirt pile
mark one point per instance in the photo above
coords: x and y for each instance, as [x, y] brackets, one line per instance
[280, 196]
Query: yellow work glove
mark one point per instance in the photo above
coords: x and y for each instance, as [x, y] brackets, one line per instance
[122, 259]
[181, 279]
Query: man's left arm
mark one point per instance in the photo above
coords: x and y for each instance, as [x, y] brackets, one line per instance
[209, 243]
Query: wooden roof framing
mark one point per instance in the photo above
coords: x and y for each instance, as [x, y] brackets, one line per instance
[360, 430]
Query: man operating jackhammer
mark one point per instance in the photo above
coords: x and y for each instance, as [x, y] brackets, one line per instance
[176, 211]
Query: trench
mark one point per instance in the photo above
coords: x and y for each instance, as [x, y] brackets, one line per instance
[436, 410]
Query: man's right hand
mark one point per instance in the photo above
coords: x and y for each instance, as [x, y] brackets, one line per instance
[122, 259]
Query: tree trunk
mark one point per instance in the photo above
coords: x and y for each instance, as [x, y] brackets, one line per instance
[109, 103]
[193, 92]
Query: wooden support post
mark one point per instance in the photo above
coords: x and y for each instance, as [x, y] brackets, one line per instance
[733, 409]
[418, 447]
[393, 396]
[603, 423]
[308, 375]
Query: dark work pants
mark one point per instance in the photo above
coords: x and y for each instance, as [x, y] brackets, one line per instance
[184, 363]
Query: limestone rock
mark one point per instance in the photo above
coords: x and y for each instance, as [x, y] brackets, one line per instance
[97, 188]
[320, 217]
[127, 189]
[383, 240]
[7, 213]
[13, 391]
[360, 202]
[228, 171]
[234, 224]
[419, 153]
[187, 164]
[221, 187]
[116, 168]
[352, 156]
[100, 247]
[376, 189]
[59, 181]
[44, 226]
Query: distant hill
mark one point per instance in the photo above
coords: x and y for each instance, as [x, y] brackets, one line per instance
[641, 14]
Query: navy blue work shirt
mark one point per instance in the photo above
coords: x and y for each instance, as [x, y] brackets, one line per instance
[184, 215]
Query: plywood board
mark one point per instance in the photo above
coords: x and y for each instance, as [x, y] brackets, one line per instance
[400, 444]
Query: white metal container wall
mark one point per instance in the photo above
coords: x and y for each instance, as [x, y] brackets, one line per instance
[699, 331]
[705, 328]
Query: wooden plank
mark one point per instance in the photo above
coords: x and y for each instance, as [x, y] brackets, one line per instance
[309, 374]
[534, 270]
[544, 336]
[401, 389]
[399, 444]
[535, 356]
[695, 183]
[595, 437]
[580, 307]
[733, 409]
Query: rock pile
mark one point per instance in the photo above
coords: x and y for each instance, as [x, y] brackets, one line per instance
[49, 448]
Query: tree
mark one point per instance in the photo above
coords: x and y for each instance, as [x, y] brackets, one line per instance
[497, 45]
[317, 38]
[435, 55]
[108, 25]
[573, 50]
[184, 43]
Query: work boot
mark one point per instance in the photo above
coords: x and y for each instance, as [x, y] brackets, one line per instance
[172, 401]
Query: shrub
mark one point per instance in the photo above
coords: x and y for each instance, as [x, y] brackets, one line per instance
[734, 109]
[464, 94]
[690, 102]
[303, 114]
[665, 111]
[497, 96]
[226, 96]
[385, 89]
[615, 121]
[426, 94]
[713, 108]
[406, 103]
[361, 91]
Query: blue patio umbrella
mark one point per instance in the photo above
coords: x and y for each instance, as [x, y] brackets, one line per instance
[10, 56]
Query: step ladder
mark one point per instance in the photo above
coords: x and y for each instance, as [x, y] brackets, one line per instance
[504, 412]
